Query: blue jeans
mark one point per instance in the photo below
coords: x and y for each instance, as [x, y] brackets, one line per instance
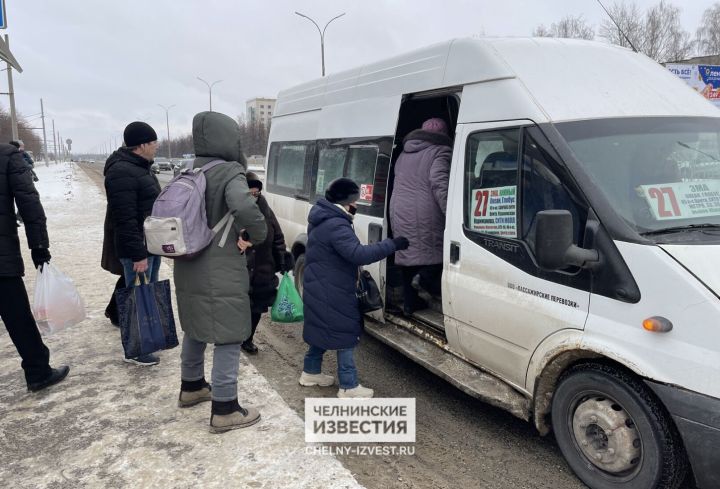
[152, 271]
[347, 372]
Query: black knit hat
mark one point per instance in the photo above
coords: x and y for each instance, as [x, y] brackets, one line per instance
[253, 181]
[342, 191]
[137, 133]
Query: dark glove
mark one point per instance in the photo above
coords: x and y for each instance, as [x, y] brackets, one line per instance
[401, 243]
[40, 256]
[287, 262]
[35, 177]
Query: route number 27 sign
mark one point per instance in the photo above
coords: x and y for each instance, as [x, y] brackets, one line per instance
[683, 200]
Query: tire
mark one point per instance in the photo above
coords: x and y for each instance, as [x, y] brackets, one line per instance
[299, 273]
[643, 449]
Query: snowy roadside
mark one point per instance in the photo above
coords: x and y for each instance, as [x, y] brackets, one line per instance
[111, 424]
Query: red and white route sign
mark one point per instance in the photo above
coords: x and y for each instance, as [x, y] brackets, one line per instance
[683, 200]
[366, 192]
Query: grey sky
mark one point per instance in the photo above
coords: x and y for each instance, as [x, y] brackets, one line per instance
[100, 64]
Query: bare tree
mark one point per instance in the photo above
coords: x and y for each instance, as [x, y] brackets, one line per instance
[180, 146]
[32, 141]
[568, 27]
[253, 137]
[665, 39]
[708, 34]
[629, 21]
[658, 34]
[542, 31]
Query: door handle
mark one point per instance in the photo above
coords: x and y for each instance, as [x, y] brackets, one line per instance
[454, 252]
[374, 233]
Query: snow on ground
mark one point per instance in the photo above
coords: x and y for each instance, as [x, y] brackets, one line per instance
[114, 425]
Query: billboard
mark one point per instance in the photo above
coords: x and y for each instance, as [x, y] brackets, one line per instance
[703, 78]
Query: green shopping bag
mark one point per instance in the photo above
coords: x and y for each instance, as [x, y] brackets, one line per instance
[288, 306]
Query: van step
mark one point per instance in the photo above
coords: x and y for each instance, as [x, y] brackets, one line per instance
[432, 319]
[431, 352]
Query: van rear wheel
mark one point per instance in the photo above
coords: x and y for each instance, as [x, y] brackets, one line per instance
[299, 273]
[614, 433]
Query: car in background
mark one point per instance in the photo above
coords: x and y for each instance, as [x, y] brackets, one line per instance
[155, 168]
[183, 164]
[186, 163]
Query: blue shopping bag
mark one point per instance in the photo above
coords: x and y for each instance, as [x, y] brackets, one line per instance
[146, 318]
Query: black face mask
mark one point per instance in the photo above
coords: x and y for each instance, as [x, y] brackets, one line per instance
[352, 210]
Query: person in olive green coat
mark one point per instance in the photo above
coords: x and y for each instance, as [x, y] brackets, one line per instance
[212, 288]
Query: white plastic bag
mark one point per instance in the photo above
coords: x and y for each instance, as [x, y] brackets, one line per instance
[57, 303]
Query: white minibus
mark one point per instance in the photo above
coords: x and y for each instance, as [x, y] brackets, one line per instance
[581, 274]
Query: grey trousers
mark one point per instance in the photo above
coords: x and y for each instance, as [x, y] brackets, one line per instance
[226, 364]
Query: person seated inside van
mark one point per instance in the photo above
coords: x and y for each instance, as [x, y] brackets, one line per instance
[417, 210]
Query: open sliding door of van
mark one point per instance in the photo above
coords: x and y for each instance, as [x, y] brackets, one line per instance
[416, 109]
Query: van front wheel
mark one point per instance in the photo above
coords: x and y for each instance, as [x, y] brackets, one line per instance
[614, 433]
[299, 273]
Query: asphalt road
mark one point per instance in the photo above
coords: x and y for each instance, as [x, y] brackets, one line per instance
[461, 442]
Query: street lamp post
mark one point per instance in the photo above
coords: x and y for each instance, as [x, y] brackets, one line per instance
[209, 85]
[167, 121]
[322, 36]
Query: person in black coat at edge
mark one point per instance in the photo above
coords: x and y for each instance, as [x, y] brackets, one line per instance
[26, 157]
[16, 187]
[333, 320]
[264, 261]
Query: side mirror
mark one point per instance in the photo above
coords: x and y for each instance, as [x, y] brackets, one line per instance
[554, 248]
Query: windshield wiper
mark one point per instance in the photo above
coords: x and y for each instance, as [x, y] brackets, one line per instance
[687, 146]
[680, 229]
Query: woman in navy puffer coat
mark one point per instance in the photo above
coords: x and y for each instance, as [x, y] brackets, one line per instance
[332, 315]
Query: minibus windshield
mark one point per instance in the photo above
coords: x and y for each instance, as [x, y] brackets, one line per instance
[661, 174]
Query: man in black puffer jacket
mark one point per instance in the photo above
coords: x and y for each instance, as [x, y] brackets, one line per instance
[16, 187]
[131, 190]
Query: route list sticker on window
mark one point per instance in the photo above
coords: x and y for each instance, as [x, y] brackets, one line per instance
[683, 200]
[366, 192]
[494, 211]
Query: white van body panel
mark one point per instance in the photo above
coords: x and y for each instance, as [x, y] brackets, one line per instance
[567, 79]
[361, 118]
[688, 355]
[501, 100]
[300, 127]
[701, 260]
[574, 79]
[404, 74]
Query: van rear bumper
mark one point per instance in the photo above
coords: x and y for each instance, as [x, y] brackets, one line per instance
[697, 417]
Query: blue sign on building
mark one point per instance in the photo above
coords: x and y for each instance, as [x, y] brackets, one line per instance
[3, 17]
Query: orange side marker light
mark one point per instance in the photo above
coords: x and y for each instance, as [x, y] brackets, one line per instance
[657, 324]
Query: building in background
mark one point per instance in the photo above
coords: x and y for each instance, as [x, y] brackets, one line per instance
[702, 74]
[260, 110]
